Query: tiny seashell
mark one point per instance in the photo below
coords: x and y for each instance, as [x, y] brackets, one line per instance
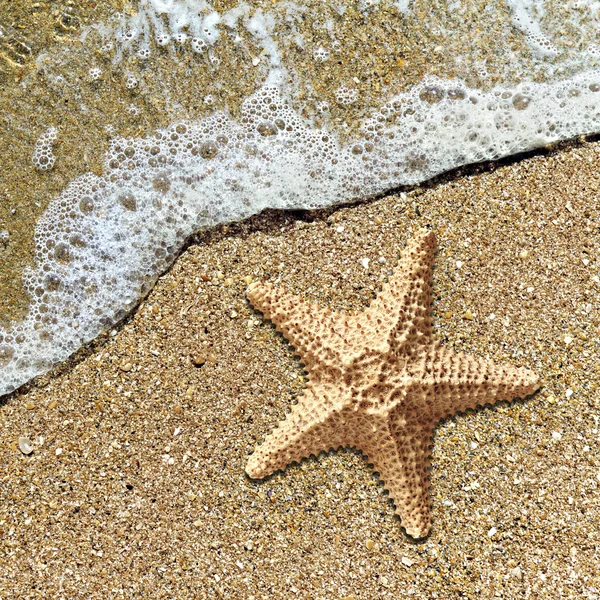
[25, 445]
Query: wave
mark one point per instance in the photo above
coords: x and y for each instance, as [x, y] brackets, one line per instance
[102, 243]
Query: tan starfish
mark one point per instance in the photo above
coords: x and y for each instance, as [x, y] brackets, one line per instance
[379, 381]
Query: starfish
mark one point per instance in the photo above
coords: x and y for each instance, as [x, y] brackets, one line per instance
[378, 381]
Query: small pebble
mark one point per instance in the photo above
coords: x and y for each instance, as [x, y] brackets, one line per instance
[364, 262]
[516, 573]
[407, 561]
[369, 544]
[25, 445]
[492, 532]
[468, 315]
[199, 359]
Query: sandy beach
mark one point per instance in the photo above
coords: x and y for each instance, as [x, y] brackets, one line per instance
[135, 486]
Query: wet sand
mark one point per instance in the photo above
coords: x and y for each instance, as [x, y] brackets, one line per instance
[135, 487]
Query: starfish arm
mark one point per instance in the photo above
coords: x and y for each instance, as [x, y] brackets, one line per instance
[314, 425]
[309, 328]
[455, 382]
[401, 454]
[402, 308]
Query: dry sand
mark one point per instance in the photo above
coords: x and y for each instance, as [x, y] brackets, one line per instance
[135, 487]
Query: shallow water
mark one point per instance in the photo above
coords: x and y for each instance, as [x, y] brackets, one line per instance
[127, 132]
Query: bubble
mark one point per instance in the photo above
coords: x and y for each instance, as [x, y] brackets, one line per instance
[161, 183]
[267, 129]
[7, 354]
[86, 205]
[594, 87]
[128, 200]
[432, 94]
[456, 94]
[521, 102]
[62, 253]
[77, 241]
[208, 150]
[52, 283]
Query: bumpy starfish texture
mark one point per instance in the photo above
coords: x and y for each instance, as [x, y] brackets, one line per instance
[378, 381]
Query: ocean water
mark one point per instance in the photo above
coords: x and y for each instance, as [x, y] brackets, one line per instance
[334, 102]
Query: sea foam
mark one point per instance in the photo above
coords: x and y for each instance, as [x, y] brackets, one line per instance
[103, 242]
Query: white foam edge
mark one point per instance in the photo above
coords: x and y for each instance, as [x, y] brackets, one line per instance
[120, 252]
